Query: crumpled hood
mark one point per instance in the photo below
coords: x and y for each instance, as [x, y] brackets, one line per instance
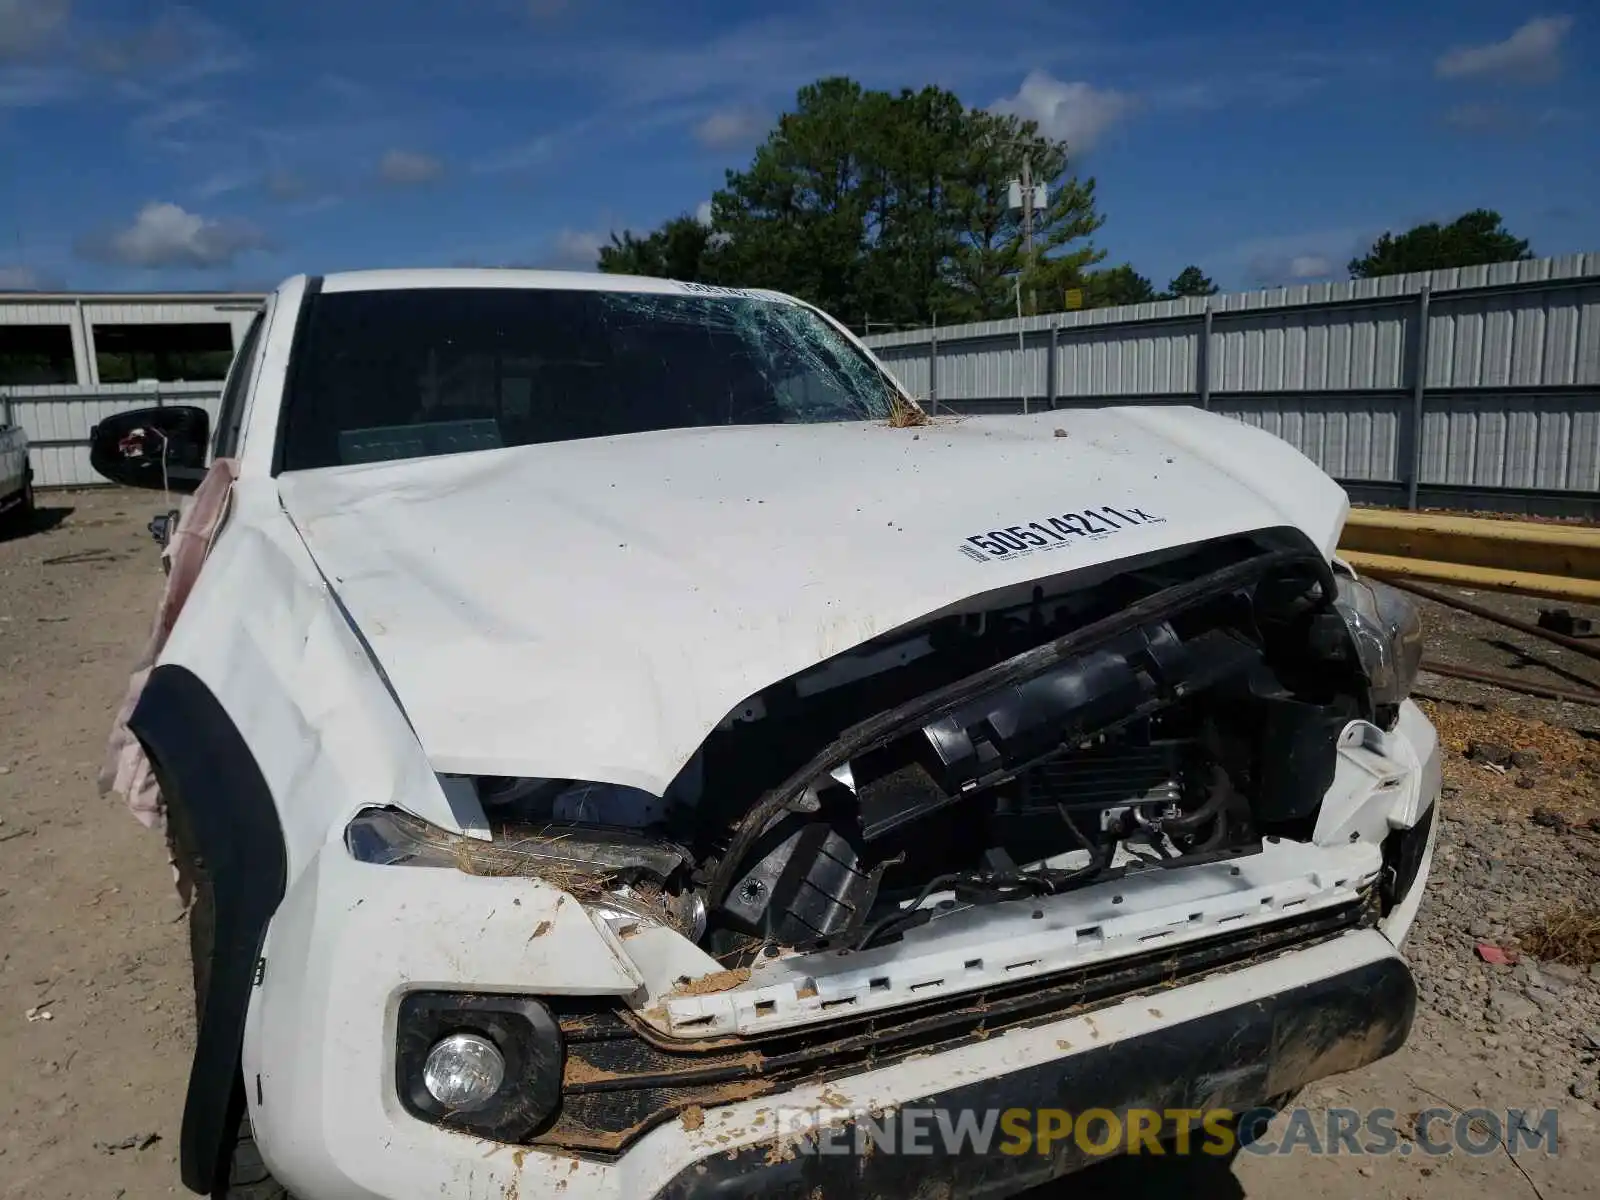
[593, 609]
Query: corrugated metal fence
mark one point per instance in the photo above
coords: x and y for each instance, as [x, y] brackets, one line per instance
[57, 421]
[1470, 388]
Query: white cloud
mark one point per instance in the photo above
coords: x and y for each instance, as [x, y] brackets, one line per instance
[1531, 54]
[1270, 267]
[1271, 260]
[220, 184]
[406, 168]
[19, 279]
[1075, 112]
[702, 212]
[27, 25]
[1310, 266]
[575, 250]
[165, 235]
[728, 127]
[168, 117]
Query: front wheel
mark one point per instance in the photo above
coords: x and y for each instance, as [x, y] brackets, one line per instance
[248, 1177]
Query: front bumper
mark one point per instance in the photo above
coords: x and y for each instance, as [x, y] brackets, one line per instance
[329, 1128]
[350, 940]
[1232, 1058]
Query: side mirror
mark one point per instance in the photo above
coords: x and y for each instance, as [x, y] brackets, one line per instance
[161, 448]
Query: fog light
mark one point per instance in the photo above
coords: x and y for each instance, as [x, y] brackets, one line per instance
[488, 1065]
[463, 1071]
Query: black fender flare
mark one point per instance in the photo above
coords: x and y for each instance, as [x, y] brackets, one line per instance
[215, 793]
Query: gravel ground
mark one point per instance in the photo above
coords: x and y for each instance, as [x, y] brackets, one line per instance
[1453, 636]
[93, 936]
[1503, 862]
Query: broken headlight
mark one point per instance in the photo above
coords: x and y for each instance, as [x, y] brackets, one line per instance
[1386, 629]
[389, 837]
[611, 869]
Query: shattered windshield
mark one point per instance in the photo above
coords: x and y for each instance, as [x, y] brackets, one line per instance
[382, 375]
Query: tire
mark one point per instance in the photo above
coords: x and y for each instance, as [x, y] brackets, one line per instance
[248, 1177]
[19, 518]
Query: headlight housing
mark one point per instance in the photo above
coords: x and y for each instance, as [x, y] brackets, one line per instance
[554, 852]
[1386, 628]
[615, 873]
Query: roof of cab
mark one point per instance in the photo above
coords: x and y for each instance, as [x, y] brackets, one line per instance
[487, 277]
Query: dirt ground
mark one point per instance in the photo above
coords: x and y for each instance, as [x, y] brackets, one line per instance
[93, 937]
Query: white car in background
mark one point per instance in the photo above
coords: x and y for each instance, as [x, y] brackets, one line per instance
[612, 718]
[16, 477]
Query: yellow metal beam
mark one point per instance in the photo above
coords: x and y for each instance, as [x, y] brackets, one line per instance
[1519, 548]
[1491, 579]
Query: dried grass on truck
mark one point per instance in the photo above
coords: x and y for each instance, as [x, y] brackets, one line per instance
[522, 857]
[906, 416]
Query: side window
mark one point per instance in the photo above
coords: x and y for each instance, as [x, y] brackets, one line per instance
[231, 414]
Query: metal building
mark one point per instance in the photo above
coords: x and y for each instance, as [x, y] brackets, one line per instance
[69, 359]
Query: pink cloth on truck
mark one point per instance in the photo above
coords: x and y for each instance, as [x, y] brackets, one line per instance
[126, 770]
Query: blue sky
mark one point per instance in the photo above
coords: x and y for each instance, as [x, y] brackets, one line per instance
[145, 145]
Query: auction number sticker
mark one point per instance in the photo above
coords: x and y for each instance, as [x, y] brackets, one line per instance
[1054, 532]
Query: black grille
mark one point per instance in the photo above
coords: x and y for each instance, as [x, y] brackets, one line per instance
[622, 1078]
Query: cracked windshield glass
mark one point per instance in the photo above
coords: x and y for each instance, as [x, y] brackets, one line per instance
[403, 374]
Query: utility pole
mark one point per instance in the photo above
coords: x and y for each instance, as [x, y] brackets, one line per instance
[1026, 196]
[1027, 226]
[1027, 206]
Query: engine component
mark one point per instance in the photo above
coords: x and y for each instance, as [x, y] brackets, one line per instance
[1105, 775]
[809, 884]
[1167, 717]
[988, 740]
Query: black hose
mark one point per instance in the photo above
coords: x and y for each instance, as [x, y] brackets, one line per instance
[1221, 792]
[905, 914]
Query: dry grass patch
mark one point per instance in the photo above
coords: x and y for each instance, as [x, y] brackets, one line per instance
[1569, 933]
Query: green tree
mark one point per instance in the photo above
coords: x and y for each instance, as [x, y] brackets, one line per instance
[1117, 285]
[684, 248]
[1191, 281]
[886, 206]
[797, 218]
[991, 260]
[1471, 240]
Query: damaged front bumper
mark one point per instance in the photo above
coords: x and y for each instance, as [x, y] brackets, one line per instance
[1221, 985]
[1271, 1033]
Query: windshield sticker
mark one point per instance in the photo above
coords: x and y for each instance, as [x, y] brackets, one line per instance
[708, 289]
[1052, 533]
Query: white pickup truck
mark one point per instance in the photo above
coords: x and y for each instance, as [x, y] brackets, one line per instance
[627, 749]
[16, 477]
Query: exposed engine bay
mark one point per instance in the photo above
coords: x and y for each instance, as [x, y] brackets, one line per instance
[1175, 713]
